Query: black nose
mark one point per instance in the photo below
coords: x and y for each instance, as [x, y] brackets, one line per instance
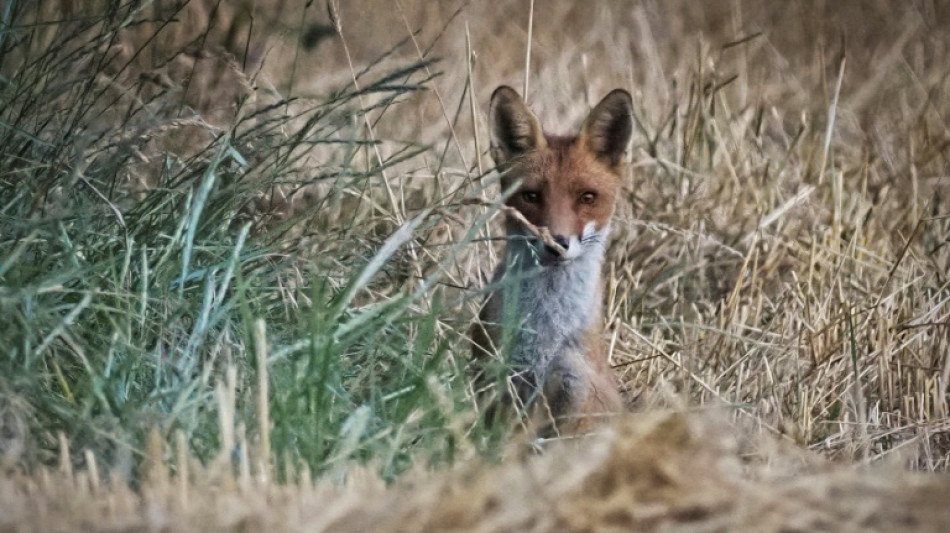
[562, 241]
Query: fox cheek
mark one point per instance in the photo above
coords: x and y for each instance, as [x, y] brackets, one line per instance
[530, 212]
[584, 228]
[589, 230]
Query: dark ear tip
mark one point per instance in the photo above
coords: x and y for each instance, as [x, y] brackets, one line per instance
[619, 96]
[505, 92]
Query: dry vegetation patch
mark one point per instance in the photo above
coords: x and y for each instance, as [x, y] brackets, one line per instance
[659, 472]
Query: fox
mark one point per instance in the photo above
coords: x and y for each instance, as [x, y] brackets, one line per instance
[543, 307]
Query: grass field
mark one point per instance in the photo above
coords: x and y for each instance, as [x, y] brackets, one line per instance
[241, 244]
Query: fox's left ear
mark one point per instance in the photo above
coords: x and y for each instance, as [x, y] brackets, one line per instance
[609, 126]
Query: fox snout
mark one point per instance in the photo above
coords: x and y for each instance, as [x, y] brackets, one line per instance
[571, 246]
[563, 242]
[542, 250]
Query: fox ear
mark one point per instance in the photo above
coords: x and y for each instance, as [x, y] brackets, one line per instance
[514, 130]
[609, 127]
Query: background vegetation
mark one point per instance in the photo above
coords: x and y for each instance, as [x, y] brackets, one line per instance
[218, 217]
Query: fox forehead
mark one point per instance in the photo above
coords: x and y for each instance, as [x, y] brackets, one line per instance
[564, 165]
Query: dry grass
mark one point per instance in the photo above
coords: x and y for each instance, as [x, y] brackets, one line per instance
[780, 253]
[781, 247]
[651, 473]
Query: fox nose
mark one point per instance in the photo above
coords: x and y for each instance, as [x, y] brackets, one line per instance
[561, 240]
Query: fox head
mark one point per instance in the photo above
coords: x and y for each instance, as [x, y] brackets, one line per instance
[568, 184]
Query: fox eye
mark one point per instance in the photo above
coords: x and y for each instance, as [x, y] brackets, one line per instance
[531, 197]
[588, 197]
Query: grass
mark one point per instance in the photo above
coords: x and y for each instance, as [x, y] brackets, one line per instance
[130, 308]
[253, 237]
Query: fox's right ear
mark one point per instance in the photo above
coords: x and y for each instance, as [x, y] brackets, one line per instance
[514, 130]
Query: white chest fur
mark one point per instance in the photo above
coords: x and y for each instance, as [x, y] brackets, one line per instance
[550, 308]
